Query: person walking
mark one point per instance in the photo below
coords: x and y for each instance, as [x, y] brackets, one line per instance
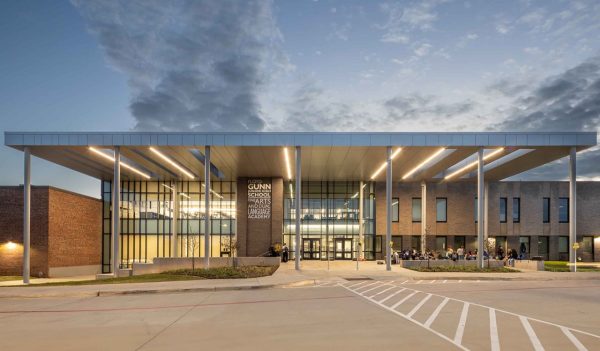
[285, 253]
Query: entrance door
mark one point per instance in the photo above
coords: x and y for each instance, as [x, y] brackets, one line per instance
[311, 249]
[343, 249]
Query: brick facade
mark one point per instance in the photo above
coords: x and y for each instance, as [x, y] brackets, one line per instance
[65, 230]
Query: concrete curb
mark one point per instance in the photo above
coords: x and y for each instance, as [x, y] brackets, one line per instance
[104, 293]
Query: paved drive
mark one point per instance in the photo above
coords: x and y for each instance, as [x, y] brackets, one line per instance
[353, 315]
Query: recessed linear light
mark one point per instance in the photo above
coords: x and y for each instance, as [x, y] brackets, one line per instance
[435, 154]
[181, 194]
[385, 163]
[287, 163]
[474, 163]
[214, 192]
[356, 195]
[172, 163]
[124, 165]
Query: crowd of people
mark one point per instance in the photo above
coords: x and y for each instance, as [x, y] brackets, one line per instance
[459, 254]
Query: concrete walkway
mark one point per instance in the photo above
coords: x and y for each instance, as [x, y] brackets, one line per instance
[312, 273]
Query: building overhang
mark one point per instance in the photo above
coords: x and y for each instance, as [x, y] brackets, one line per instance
[325, 156]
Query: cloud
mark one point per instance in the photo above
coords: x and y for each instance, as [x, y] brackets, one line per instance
[422, 50]
[403, 19]
[421, 107]
[191, 65]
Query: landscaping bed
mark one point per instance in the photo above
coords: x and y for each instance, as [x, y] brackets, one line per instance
[178, 275]
[463, 269]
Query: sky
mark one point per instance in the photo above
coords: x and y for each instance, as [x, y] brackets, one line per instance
[297, 65]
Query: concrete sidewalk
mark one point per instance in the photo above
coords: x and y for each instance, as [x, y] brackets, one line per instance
[312, 273]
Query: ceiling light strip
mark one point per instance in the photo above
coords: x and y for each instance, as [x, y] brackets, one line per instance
[123, 164]
[474, 163]
[394, 154]
[172, 163]
[435, 154]
[287, 163]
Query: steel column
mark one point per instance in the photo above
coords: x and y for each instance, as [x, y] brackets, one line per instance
[298, 205]
[388, 205]
[116, 213]
[572, 207]
[207, 221]
[480, 208]
[361, 222]
[26, 214]
[486, 210]
[423, 217]
[175, 222]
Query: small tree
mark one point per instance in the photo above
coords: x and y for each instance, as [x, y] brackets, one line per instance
[490, 246]
[192, 244]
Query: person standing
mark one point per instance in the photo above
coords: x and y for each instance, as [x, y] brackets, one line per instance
[285, 252]
[461, 253]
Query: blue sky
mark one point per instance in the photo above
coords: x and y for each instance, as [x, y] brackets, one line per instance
[297, 65]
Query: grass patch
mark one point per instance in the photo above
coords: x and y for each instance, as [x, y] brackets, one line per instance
[178, 275]
[561, 266]
[464, 269]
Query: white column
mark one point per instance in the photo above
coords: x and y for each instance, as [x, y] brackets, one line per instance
[361, 221]
[175, 222]
[116, 213]
[207, 222]
[388, 205]
[298, 205]
[480, 208]
[26, 213]
[572, 206]
[486, 211]
[423, 217]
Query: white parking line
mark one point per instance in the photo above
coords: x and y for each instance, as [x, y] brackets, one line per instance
[537, 345]
[382, 291]
[416, 308]
[357, 284]
[436, 312]
[433, 281]
[578, 345]
[377, 287]
[404, 282]
[365, 286]
[445, 281]
[419, 282]
[460, 329]
[403, 300]
[494, 331]
[392, 295]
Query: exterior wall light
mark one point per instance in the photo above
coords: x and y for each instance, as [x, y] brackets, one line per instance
[11, 246]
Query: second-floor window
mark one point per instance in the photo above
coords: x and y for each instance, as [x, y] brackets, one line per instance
[416, 209]
[502, 210]
[441, 206]
[516, 210]
[395, 209]
[546, 215]
[563, 210]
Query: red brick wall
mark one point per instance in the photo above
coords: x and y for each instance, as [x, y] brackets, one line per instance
[75, 230]
[11, 229]
[65, 229]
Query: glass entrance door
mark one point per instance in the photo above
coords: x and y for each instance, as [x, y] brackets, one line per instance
[343, 249]
[311, 249]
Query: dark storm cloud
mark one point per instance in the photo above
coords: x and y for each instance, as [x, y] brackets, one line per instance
[569, 101]
[191, 65]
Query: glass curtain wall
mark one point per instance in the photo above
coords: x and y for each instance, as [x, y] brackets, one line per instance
[147, 216]
[330, 219]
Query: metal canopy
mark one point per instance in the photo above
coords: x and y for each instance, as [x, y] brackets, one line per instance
[325, 156]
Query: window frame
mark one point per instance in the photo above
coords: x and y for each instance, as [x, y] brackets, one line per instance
[445, 199]
[412, 207]
[546, 203]
[505, 201]
[397, 211]
[560, 220]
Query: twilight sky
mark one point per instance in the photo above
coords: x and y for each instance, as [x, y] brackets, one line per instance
[297, 66]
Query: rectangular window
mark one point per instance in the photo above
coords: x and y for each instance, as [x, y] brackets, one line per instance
[516, 210]
[587, 245]
[523, 245]
[543, 246]
[459, 241]
[503, 203]
[416, 209]
[395, 209]
[415, 242]
[546, 216]
[476, 209]
[563, 210]
[563, 244]
[441, 208]
[440, 243]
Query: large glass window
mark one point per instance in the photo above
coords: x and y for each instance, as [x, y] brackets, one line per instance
[416, 209]
[330, 213]
[395, 209]
[546, 210]
[587, 245]
[415, 242]
[516, 210]
[543, 246]
[502, 208]
[563, 244]
[563, 210]
[441, 204]
[440, 244]
[524, 245]
[459, 241]
[476, 207]
[147, 210]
